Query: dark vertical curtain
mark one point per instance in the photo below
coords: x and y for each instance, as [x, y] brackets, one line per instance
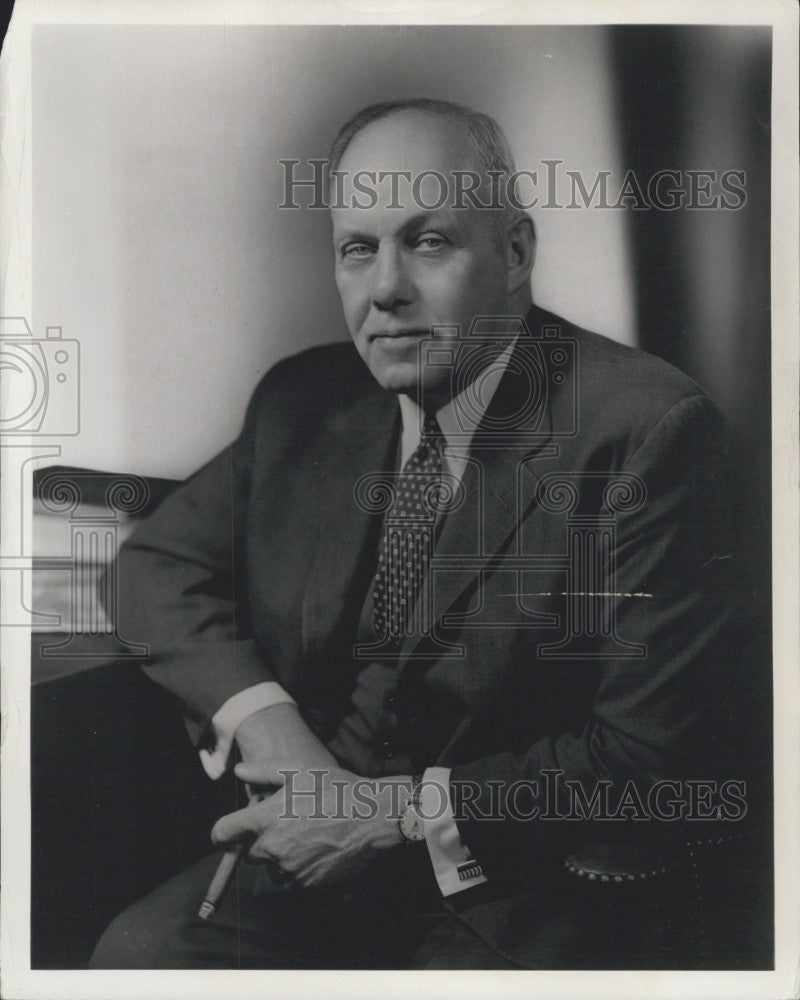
[697, 98]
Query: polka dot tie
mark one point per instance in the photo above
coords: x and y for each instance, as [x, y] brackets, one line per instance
[407, 541]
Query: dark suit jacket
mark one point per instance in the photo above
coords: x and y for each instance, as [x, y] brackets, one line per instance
[256, 569]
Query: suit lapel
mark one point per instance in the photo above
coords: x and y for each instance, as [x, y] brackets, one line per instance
[362, 440]
[495, 503]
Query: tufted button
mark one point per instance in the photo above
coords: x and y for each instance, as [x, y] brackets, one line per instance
[388, 749]
[413, 722]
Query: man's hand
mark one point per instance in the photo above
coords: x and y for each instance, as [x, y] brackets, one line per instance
[328, 828]
[278, 733]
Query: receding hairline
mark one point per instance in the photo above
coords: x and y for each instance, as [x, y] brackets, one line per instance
[413, 115]
[483, 134]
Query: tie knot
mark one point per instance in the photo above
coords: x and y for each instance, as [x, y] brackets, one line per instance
[430, 427]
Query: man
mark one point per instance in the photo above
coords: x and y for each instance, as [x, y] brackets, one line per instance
[482, 549]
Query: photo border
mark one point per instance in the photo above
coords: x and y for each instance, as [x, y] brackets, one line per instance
[18, 979]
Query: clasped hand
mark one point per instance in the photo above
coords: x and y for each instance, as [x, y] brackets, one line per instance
[322, 824]
[323, 827]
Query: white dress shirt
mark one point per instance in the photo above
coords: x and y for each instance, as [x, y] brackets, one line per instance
[453, 866]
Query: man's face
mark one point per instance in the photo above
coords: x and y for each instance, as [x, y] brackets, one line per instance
[402, 270]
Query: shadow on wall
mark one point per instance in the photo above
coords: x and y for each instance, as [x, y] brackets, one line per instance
[697, 98]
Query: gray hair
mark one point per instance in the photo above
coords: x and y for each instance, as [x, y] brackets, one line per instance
[484, 134]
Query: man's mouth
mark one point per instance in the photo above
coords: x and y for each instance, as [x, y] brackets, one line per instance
[401, 334]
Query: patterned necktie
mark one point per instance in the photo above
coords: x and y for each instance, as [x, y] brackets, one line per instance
[407, 541]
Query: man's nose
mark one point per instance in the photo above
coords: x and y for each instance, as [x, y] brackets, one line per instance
[392, 285]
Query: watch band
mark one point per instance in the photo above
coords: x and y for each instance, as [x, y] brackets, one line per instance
[412, 832]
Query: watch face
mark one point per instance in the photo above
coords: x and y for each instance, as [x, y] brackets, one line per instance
[411, 825]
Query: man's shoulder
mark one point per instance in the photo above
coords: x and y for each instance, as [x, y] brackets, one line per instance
[618, 395]
[321, 363]
[602, 363]
[619, 382]
[321, 377]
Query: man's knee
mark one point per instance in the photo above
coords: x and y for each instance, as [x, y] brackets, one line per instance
[131, 941]
[157, 931]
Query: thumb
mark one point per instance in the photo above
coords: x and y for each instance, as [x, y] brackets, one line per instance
[232, 826]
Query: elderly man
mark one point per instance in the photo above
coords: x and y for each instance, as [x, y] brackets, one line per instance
[443, 590]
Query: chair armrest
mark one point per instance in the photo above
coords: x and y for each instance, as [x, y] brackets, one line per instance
[649, 861]
[621, 862]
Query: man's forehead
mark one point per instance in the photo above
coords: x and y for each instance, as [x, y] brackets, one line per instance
[410, 140]
[404, 164]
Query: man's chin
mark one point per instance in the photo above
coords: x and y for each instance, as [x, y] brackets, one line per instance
[399, 377]
[405, 380]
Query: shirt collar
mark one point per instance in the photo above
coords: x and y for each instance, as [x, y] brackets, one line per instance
[457, 421]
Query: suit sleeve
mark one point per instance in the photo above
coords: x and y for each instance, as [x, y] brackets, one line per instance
[182, 587]
[659, 716]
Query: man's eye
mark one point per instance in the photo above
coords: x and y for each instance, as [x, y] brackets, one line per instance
[431, 241]
[355, 250]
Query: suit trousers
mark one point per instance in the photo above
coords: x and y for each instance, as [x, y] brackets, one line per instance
[393, 923]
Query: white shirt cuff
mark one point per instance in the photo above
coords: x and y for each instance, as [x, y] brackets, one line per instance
[453, 865]
[230, 716]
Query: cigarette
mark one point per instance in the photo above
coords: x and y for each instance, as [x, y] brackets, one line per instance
[219, 883]
[225, 869]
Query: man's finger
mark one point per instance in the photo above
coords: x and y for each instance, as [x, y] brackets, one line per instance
[236, 824]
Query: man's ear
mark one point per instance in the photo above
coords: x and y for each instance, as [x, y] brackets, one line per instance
[520, 252]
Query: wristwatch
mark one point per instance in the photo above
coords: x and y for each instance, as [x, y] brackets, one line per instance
[409, 822]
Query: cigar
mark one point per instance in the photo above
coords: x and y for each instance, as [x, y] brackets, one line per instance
[225, 869]
[219, 883]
